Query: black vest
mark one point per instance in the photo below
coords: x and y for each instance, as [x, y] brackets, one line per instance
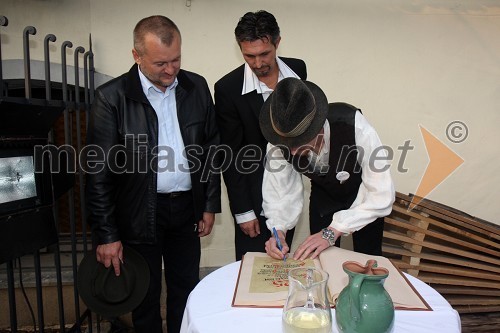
[328, 194]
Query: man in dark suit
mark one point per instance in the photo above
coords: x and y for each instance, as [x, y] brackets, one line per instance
[239, 96]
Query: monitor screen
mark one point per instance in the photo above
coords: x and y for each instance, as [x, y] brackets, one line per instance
[17, 179]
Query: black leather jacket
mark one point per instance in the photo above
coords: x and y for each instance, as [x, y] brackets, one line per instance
[123, 132]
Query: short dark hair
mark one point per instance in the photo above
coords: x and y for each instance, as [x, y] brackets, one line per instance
[160, 26]
[257, 25]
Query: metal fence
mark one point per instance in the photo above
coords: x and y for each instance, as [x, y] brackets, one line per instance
[47, 228]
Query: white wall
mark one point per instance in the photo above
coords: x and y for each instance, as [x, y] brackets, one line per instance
[404, 63]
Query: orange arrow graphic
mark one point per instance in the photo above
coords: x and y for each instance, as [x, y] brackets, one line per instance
[442, 163]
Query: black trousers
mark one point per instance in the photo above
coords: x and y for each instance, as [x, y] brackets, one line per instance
[244, 243]
[367, 240]
[179, 246]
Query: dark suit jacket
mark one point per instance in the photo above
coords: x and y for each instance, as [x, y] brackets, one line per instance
[238, 121]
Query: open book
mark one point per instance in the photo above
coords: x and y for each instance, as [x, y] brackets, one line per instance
[263, 281]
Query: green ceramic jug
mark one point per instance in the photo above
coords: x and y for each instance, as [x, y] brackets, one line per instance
[364, 306]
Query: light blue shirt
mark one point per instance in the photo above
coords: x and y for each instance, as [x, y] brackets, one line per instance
[173, 171]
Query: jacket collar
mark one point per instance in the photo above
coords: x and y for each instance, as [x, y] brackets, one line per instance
[134, 90]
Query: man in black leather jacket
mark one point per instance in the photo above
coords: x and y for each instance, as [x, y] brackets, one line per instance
[154, 183]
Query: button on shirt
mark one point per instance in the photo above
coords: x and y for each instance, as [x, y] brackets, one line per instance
[250, 83]
[173, 174]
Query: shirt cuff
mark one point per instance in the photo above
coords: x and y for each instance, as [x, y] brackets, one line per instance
[344, 231]
[245, 217]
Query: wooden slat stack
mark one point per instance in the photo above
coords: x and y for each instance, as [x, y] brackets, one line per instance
[458, 255]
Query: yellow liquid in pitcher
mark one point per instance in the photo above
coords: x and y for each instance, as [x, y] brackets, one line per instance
[302, 320]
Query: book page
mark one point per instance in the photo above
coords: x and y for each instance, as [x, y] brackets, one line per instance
[403, 294]
[263, 281]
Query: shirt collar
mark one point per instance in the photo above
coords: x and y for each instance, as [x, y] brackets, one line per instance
[251, 82]
[147, 85]
[326, 137]
[324, 153]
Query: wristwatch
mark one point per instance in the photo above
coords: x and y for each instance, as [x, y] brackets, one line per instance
[329, 235]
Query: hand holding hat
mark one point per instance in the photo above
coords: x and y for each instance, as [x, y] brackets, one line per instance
[110, 295]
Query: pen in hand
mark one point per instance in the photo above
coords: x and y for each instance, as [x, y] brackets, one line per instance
[278, 242]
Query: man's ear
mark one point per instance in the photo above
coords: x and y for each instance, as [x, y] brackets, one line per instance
[136, 56]
[277, 42]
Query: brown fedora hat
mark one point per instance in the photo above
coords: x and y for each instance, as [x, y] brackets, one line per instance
[294, 113]
[107, 294]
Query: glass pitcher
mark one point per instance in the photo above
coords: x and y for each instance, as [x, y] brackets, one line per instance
[307, 308]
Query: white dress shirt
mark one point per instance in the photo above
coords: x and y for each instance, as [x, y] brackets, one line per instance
[250, 83]
[172, 162]
[282, 187]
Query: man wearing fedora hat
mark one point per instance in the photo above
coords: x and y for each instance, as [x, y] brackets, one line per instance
[340, 152]
[239, 96]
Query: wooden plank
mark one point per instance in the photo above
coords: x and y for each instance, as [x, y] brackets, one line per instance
[484, 322]
[487, 229]
[450, 211]
[477, 309]
[457, 254]
[447, 270]
[446, 290]
[413, 260]
[470, 300]
[456, 281]
[485, 327]
[445, 249]
[448, 227]
[387, 249]
[451, 270]
[449, 239]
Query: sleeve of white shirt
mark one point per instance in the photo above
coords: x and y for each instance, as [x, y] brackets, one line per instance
[376, 192]
[245, 217]
[282, 191]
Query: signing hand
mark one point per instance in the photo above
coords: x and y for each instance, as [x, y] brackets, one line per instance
[110, 254]
[272, 249]
[206, 224]
[251, 228]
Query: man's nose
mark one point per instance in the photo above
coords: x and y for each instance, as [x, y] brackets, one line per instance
[294, 151]
[258, 62]
[169, 69]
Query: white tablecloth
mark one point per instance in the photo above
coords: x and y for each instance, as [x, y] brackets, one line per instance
[209, 310]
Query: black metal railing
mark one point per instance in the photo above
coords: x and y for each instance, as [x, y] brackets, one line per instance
[67, 201]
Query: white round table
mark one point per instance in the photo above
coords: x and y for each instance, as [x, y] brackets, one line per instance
[209, 310]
